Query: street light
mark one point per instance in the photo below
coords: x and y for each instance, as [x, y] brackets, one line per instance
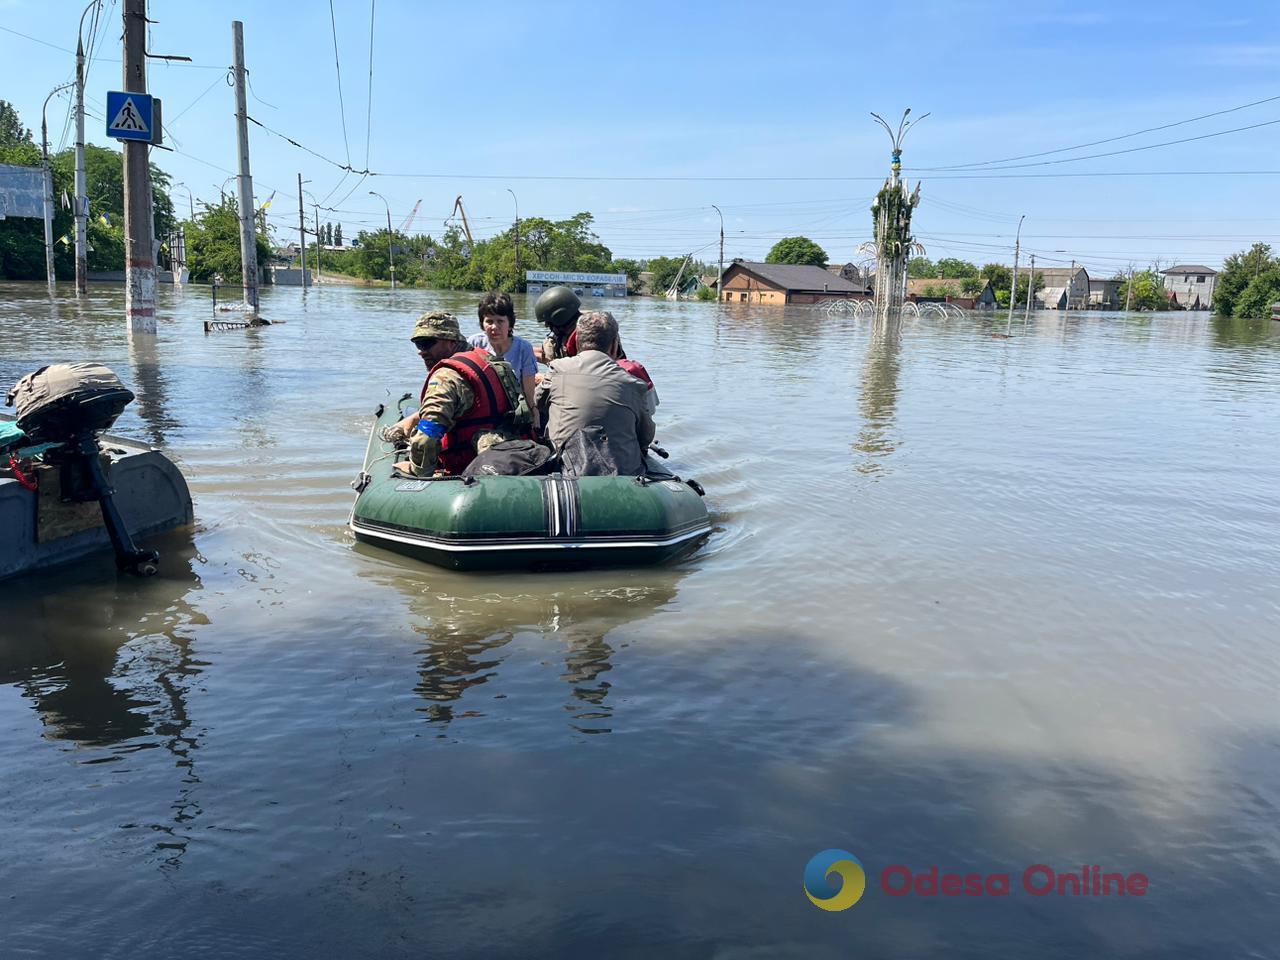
[48, 184]
[516, 199]
[191, 200]
[391, 250]
[82, 189]
[315, 204]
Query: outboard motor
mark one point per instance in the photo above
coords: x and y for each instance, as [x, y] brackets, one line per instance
[69, 404]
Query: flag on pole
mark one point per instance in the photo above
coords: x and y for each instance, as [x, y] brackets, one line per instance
[268, 203]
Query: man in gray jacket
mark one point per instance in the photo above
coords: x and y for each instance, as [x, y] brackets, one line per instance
[597, 413]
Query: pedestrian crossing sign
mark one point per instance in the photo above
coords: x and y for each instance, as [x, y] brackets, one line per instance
[129, 116]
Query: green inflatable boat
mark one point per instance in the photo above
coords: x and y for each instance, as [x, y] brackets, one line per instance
[552, 521]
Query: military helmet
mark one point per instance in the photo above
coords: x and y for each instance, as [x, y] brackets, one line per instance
[558, 307]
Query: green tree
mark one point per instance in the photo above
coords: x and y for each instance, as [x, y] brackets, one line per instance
[921, 268]
[632, 269]
[12, 132]
[1262, 291]
[1147, 292]
[213, 243]
[664, 271]
[799, 250]
[1238, 272]
[999, 275]
[337, 234]
[22, 238]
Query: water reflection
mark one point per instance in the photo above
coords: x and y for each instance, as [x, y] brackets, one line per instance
[878, 398]
[123, 687]
[151, 389]
[470, 640]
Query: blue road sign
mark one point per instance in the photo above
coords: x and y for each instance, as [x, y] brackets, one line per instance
[129, 115]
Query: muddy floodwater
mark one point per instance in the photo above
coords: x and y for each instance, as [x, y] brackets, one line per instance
[973, 604]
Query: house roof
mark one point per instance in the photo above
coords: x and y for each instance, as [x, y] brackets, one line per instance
[1188, 268]
[953, 287]
[1057, 276]
[1102, 283]
[798, 277]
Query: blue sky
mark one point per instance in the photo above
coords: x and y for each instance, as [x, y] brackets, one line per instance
[476, 99]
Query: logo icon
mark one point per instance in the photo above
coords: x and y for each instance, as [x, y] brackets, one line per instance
[823, 892]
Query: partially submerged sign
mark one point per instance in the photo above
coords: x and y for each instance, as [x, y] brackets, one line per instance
[21, 191]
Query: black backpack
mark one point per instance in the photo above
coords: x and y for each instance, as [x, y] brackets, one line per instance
[512, 458]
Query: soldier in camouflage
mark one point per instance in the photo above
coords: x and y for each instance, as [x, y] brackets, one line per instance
[447, 398]
[558, 309]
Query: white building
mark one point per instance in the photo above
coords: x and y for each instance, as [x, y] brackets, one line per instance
[1190, 286]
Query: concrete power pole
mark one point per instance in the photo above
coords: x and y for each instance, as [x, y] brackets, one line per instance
[319, 244]
[248, 234]
[517, 202]
[82, 200]
[139, 218]
[48, 189]
[1013, 284]
[302, 234]
[721, 272]
[1031, 288]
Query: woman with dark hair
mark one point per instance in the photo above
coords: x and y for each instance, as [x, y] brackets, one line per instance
[497, 321]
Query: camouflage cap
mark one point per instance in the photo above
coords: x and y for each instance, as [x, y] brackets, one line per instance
[438, 324]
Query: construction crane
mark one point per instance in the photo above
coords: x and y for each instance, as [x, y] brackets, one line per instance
[408, 221]
[466, 228]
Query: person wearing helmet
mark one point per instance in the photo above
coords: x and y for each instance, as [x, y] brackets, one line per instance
[558, 309]
[470, 401]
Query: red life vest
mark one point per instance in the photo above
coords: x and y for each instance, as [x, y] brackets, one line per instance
[571, 347]
[637, 370]
[491, 407]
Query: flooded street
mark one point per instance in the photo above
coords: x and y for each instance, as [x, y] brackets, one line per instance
[972, 602]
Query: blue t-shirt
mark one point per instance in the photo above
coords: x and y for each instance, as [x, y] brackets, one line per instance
[519, 355]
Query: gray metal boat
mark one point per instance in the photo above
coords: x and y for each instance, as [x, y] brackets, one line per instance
[41, 527]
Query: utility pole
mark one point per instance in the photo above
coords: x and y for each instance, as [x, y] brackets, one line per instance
[391, 250]
[1031, 287]
[48, 187]
[319, 260]
[139, 218]
[721, 273]
[1013, 284]
[1071, 282]
[302, 234]
[82, 199]
[1128, 293]
[248, 233]
[517, 200]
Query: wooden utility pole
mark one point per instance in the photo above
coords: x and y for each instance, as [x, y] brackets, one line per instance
[248, 233]
[139, 218]
[1128, 293]
[302, 235]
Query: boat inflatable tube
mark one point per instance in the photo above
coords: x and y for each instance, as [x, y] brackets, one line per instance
[531, 522]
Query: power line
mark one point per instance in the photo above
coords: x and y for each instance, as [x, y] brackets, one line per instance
[342, 109]
[1096, 143]
[1115, 153]
[368, 125]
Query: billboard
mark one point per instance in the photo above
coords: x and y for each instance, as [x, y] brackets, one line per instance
[21, 191]
[554, 276]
